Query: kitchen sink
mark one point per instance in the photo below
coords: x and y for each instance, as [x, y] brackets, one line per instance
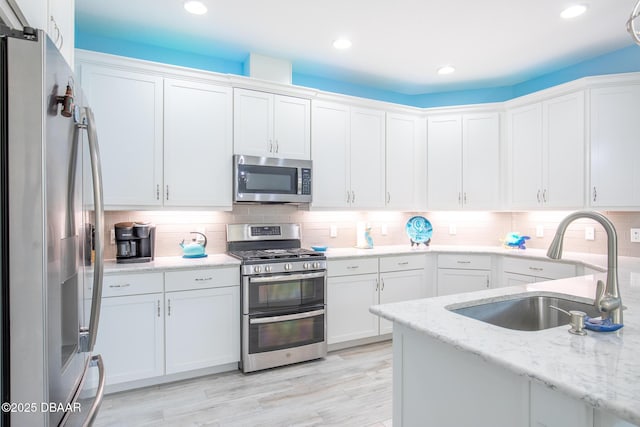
[526, 313]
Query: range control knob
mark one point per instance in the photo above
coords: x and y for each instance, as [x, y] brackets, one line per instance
[287, 266]
[316, 264]
[257, 269]
[306, 265]
[268, 269]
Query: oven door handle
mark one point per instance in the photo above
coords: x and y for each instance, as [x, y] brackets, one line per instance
[286, 317]
[282, 277]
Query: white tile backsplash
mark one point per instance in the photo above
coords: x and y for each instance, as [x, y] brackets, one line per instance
[472, 228]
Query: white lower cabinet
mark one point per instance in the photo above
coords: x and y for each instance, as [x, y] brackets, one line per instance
[202, 328]
[402, 278]
[156, 324]
[354, 285]
[550, 408]
[521, 271]
[131, 329]
[463, 273]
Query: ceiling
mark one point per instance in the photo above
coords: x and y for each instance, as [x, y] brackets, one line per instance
[397, 45]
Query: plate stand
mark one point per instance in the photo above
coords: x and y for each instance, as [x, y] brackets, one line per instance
[418, 243]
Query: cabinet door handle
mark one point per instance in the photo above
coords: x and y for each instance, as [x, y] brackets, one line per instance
[538, 196]
[388, 197]
[595, 194]
[277, 147]
[352, 267]
[158, 308]
[203, 279]
[377, 284]
[487, 282]
[464, 198]
[348, 197]
[459, 198]
[168, 307]
[536, 268]
[463, 262]
[270, 146]
[382, 280]
[167, 191]
[353, 196]
[403, 263]
[544, 195]
[126, 285]
[157, 191]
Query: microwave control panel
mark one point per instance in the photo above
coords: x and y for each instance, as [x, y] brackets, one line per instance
[306, 181]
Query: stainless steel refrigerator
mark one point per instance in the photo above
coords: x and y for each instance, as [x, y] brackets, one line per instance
[50, 188]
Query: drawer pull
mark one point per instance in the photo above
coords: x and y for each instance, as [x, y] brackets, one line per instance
[464, 262]
[203, 279]
[352, 267]
[403, 263]
[536, 268]
[158, 308]
[126, 285]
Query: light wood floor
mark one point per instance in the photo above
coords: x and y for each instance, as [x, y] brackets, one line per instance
[350, 387]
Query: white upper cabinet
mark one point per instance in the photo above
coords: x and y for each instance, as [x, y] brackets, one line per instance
[330, 153]
[129, 120]
[197, 144]
[405, 162]
[165, 141]
[615, 176]
[268, 125]
[367, 158]
[547, 149]
[56, 18]
[463, 157]
[348, 156]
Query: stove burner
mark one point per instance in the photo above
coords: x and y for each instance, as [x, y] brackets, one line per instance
[275, 254]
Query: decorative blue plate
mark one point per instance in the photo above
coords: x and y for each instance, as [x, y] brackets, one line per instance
[419, 229]
[195, 256]
[319, 248]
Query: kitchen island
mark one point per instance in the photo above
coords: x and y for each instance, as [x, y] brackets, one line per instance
[451, 370]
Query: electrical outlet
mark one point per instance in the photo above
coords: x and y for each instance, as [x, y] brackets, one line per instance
[384, 230]
[334, 231]
[589, 233]
[539, 231]
[452, 229]
[635, 235]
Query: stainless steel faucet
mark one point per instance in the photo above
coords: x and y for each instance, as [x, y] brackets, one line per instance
[608, 300]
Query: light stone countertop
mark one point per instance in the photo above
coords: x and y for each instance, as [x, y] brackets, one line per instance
[171, 263]
[601, 369]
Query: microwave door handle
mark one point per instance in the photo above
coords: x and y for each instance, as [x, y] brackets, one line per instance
[297, 316]
[96, 174]
[282, 277]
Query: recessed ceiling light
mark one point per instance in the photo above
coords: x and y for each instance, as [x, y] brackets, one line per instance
[195, 7]
[447, 69]
[342, 43]
[573, 11]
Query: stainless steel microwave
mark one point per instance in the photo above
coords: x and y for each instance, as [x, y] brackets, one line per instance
[271, 180]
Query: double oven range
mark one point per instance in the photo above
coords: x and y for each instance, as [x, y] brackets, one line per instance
[283, 294]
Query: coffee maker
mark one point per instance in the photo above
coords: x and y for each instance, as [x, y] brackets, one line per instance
[135, 242]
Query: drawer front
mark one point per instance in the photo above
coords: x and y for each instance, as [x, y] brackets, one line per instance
[532, 267]
[130, 284]
[348, 267]
[201, 279]
[465, 261]
[403, 262]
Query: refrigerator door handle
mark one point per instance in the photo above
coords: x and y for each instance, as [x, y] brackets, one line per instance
[88, 344]
[96, 360]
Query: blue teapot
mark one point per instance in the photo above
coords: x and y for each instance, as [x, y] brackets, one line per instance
[194, 249]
